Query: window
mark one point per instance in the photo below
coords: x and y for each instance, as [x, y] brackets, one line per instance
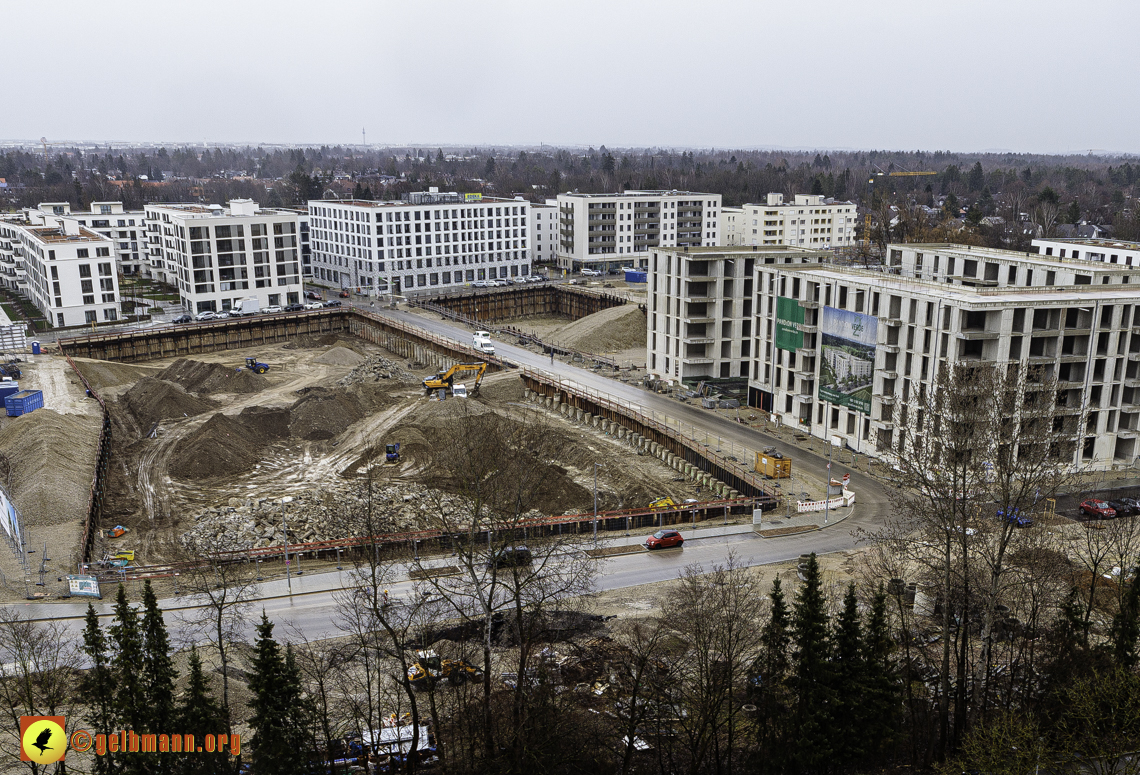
[89, 316]
[104, 270]
[109, 314]
[81, 253]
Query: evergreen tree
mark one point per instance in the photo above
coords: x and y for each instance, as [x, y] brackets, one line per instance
[976, 178]
[812, 719]
[278, 744]
[158, 669]
[1126, 628]
[879, 716]
[97, 686]
[850, 681]
[199, 714]
[772, 699]
[130, 691]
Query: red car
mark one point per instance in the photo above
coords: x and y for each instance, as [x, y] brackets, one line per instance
[664, 539]
[1099, 509]
[344, 294]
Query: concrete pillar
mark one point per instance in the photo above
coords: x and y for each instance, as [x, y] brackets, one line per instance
[579, 414]
[565, 410]
[733, 493]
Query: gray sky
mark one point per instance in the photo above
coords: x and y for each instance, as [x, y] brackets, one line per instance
[968, 75]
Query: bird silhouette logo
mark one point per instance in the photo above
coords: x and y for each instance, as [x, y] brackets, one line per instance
[42, 739]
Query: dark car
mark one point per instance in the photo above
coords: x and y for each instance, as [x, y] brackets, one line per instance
[344, 294]
[183, 319]
[663, 539]
[1098, 509]
[295, 308]
[312, 295]
[332, 303]
[1123, 508]
[510, 557]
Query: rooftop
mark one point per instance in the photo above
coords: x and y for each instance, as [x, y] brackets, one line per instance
[54, 235]
[636, 194]
[380, 204]
[1099, 242]
[1017, 255]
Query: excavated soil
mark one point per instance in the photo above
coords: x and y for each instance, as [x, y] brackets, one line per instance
[205, 378]
[340, 356]
[223, 445]
[151, 400]
[611, 330]
[306, 342]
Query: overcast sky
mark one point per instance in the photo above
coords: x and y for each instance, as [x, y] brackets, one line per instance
[967, 75]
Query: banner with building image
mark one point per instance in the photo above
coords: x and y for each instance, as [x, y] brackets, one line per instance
[789, 324]
[846, 374]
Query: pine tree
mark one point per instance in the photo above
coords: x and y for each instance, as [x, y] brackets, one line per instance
[199, 714]
[130, 694]
[159, 673]
[97, 686]
[850, 676]
[811, 733]
[278, 742]
[775, 644]
[1126, 627]
[882, 694]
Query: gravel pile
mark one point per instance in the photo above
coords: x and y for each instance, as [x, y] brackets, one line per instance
[325, 516]
[340, 356]
[377, 368]
[201, 377]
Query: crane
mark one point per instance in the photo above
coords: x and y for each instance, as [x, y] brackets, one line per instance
[903, 174]
[45, 143]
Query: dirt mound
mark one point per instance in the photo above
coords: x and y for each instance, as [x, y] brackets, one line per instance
[105, 374]
[151, 400]
[270, 421]
[306, 342]
[340, 356]
[379, 368]
[202, 377]
[502, 388]
[611, 330]
[223, 446]
[323, 413]
[52, 459]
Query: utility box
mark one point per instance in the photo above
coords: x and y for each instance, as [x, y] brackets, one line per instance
[774, 465]
[23, 402]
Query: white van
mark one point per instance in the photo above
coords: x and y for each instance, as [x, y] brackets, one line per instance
[481, 341]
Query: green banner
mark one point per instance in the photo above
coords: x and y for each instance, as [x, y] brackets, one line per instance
[789, 324]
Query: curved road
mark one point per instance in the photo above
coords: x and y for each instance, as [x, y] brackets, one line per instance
[311, 607]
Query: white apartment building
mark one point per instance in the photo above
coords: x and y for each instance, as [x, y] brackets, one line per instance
[428, 241]
[68, 270]
[814, 328]
[544, 232]
[810, 222]
[607, 231]
[125, 228]
[731, 226]
[217, 256]
[1109, 251]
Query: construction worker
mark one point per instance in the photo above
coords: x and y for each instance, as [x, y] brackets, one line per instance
[385, 597]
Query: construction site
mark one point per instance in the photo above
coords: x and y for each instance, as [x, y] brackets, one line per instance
[207, 453]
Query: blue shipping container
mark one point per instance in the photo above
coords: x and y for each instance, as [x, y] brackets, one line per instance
[8, 388]
[23, 402]
[636, 276]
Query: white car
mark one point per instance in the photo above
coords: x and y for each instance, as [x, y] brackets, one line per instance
[591, 273]
[271, 309]
[205, 315]
[221, 316]
[314, 305]
[483, 284]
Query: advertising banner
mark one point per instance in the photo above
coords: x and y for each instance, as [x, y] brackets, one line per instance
[83, 586]
[789, 324]
[846, 375]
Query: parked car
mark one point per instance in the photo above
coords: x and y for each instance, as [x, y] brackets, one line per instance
[663, 539]
[314, 305]
[296, 307]
[483, 284]
[1098, 509]
[591, 272]
[312, 295]
[1123, 508]
[221, 316]
[510, 556]
[205, 315]
[183, 319]
[272, 308]
[332, 303]
[344, 294]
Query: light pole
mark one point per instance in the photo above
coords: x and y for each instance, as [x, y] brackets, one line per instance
[596, 467]
[285, 540]
[827, 486]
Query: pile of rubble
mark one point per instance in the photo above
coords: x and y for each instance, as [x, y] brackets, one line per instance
[313, 517]
[376, 368]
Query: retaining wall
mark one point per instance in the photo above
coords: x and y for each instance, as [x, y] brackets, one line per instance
[492, 306]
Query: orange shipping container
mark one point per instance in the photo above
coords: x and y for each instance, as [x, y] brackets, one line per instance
[775, 467]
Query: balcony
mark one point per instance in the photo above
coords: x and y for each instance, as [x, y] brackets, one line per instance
[888, 400]
[976, 334]
[889, 348]
[890, 321]
[700, 359]
[810, 304]
[889, 374]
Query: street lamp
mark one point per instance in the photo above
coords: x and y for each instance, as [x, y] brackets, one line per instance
[827, 486]
[596, 467]
[285, 540]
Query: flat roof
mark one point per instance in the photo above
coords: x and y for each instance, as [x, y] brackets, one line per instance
[636, 194]
[1096, 242]
[52, 234]
[215, 212]
[717, 250]
[1038, 259]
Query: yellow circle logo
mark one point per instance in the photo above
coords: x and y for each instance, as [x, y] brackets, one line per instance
[43, 741]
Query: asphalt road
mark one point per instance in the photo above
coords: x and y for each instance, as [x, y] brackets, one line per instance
[311, 607]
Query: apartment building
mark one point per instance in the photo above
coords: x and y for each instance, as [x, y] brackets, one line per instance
[429, 240]
[304, 241]
[1108, 251]
[835, 349]
[217, 256]
[731, 226]
[607, 231]
[67, 270]
[810, 221]
[125, 229]
[544, 232]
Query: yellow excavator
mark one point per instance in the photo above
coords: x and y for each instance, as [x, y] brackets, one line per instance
[429, 669]
[663, 503]
[446, 379]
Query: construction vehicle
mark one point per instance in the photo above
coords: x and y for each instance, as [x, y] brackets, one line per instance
[445, 379]
[115, 532]
[11, 370]
[663, 503]
[392, 453]
[429, 669]
[255, 365]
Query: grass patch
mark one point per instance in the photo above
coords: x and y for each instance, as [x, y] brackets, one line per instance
[786, 531]
[613, 551]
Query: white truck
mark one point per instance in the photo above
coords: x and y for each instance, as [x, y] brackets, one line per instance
[481, 341]
[250, 306]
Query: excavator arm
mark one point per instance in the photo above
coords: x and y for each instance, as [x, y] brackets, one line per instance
[445, 379]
